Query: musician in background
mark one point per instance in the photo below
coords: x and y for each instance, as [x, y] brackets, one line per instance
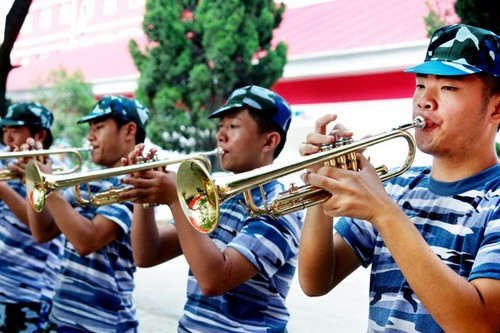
[95, 284]
[240, 274]
[431, 235]
[28, 269]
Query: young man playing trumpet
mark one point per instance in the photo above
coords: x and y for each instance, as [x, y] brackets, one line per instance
[28, 269]
[240, 274]
[95, 284]
[431, 235]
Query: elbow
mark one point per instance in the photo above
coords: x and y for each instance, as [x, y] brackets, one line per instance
[40, 238]
[83, 252]
[143, 262]
[211, 292]
[210, 289]
[312, 292]
[83, 249]
[311, 288]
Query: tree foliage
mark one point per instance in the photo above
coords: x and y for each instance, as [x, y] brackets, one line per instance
[197, 53]
[69, 98]
[479, 13]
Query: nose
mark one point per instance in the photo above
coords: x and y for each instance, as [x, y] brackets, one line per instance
[426, 101]
[220, 135]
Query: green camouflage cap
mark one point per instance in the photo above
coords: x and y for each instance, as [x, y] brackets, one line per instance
[28, 114]
[461, 49]
[261, 100]
[122, 107]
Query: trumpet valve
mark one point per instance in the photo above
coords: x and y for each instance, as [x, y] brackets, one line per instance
[347, 161]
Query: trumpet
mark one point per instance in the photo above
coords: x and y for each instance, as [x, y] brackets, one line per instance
[201, 196]
[40, 185]
[6, 174]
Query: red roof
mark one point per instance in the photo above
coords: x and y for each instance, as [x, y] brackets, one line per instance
[347, 24]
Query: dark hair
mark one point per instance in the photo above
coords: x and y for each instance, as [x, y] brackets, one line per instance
[47, 142]
[491, 84]
[265, 124]
[491, 87]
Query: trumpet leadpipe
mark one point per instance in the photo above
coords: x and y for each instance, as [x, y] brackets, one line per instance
[40, 185]
[7, 174]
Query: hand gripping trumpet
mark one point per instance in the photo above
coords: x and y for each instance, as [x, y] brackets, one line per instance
[7, 174]
[201, 196]
[40, 185]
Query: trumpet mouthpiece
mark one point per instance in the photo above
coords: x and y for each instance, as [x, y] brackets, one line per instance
[419, 122]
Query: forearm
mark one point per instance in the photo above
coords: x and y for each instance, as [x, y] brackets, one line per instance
[42, 225]
[452, 301]
[316, 253]
[86, 235]
[151, 245]
[15, 202]
[216, 271]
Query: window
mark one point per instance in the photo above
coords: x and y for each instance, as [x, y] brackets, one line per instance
[87, 9]
[45, 18]
[109, 7]
[136, 4]
[65, 14]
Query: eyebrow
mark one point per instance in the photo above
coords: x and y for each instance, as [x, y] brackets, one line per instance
[445, 77]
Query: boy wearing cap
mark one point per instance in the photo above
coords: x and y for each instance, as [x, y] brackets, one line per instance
[95, 284]
[432, 235]
[28, 269]
[240, 274]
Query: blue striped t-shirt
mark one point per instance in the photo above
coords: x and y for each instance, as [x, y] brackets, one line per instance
[94, 292]
[459, 220]
[257, 305]
[29, 269]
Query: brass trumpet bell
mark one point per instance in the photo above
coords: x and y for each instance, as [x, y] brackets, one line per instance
[200, 195]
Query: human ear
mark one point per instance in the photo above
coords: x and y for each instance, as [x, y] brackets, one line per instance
[131, 130]
[40, 135]
[272, 141]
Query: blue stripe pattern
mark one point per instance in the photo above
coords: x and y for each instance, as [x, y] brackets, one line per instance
[258, 305]
[461, 223]
[94, 292]
[28, 269]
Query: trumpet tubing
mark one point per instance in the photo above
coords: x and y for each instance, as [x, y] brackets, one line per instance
[40, 185]
[7, 174]
[201, 196]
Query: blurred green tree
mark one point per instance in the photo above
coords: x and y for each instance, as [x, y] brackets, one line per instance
[479, 13]
[69, 98]
[197, 53]
[437, 16]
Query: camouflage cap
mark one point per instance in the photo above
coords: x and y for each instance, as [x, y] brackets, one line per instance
[461, 49]
[28, 114]
[122, 107]
[261, 100]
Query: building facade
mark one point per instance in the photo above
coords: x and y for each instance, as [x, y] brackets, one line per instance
[344, 56]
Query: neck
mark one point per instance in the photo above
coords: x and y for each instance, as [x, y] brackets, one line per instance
[450, 170]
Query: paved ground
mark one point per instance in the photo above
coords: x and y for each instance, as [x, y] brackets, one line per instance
[160, 295]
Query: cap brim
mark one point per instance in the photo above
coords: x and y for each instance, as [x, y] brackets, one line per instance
[8, 122]
[442, 68]
[90, 117]
[225, 108]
